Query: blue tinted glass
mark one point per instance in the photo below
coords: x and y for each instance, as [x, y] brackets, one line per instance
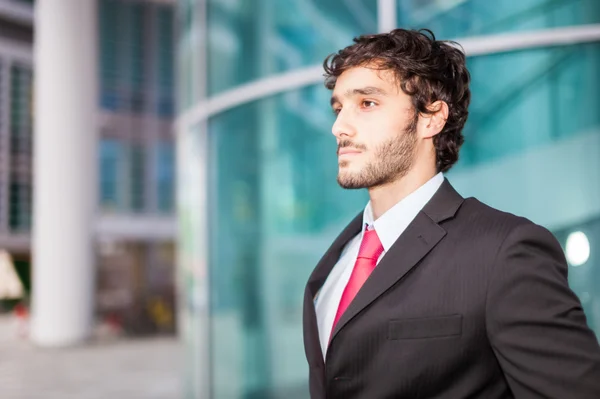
[453, 19]
[165, 62]
[537, 97]
[110, 36]
[275, 207]
[250, 40]
[138, 176]
[165, 175]
[110, 158]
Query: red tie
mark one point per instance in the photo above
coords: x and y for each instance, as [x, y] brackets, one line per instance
[370, 249]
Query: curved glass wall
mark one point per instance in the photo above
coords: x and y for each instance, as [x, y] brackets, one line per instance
[463, 18]
[537, 98]
[248, 40]
[267, 167]
[273, 213]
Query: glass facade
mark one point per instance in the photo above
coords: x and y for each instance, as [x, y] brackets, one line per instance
[463, 18]
[268, 226]
[136, 63]
[251, 40]
[111, 163]
[164, 175]
[268, 166]
[136, 41]
[20, 145]
[539, 106]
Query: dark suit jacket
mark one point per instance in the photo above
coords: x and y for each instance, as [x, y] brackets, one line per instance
[469, 302]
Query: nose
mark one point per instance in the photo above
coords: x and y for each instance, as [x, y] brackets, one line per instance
[343, 127]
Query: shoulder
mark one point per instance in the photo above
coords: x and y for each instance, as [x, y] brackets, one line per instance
[492, 227]
[506, 229]
[475, 212]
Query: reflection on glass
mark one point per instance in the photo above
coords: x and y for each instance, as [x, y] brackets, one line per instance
[536, 98]
[250, 40]
[461, 18]
[276, 207]
[111, 158]
[165, 175]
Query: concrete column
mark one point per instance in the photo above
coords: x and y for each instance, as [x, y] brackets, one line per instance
[65, 175]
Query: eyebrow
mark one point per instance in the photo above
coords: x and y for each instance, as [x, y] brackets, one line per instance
[365, 91]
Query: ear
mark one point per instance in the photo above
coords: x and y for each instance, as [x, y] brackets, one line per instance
[436, 120]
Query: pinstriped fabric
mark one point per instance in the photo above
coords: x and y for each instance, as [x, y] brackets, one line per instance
[469, 302]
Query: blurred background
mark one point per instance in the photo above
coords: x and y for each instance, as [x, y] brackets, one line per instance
[178, 158]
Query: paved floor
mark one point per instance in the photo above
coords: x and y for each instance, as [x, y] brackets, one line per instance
[117, 369]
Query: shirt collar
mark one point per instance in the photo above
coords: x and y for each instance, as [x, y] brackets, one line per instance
[392, 223]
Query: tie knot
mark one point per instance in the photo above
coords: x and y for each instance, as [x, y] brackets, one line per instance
[370, 247]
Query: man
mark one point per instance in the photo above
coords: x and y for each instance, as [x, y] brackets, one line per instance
[427, 294]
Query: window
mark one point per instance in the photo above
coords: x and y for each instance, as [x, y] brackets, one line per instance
[165, 175]
[111, 164]
[251, 40]
[110, 63]
[20, 148]
[462, 18]
[274, 207]
[165, 61]
[138, 177]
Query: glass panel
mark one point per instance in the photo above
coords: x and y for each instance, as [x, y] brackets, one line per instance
[165, 59]
[20, 148]
[275, 208]
[111, 163]
[190, 53]
[535, 99]
[20, 206]
[110, 36]
[138, 177]
[250, 40]
[124, 63]
[532, 146]
[165, 175]
[460, 18]
[138, 61]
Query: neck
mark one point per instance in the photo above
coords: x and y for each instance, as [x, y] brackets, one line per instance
[386, 196]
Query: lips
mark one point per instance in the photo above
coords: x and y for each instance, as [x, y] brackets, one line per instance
[348, 151]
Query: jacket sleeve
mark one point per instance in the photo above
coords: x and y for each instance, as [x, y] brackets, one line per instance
[536, 324]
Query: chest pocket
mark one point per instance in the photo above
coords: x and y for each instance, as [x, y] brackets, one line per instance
[428, 327]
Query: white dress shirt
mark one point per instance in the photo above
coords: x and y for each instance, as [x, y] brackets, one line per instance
[389, 227]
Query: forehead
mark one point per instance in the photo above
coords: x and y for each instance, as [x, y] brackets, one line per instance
[364, 76]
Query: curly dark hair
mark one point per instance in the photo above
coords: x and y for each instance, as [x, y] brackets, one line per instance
[427, 69]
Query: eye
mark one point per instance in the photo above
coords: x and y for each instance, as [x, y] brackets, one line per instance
[336, 110]
[368, 104]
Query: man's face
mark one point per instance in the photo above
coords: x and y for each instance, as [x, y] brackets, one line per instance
[375, 128]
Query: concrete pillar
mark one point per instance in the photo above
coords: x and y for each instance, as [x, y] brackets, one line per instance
[65, 175]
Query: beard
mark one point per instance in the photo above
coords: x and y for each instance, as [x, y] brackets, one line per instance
[391, 161]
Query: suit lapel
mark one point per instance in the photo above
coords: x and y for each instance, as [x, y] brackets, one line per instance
[420, 237]
[315, 282]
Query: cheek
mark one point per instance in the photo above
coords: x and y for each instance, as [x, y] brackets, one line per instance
[379, 132]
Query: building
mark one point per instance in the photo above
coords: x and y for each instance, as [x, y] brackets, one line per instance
[134, 227]
[257, 194]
